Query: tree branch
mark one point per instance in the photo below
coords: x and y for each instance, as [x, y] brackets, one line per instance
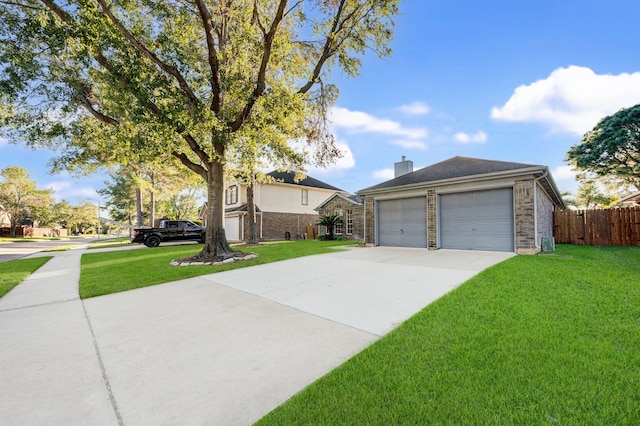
[140, 47]
[262, 72]
[214, 65]
[84, 101]
[327, 50]
[194, 167]
[24, 6]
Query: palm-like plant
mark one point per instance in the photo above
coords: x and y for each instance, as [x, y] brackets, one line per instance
[329, 221]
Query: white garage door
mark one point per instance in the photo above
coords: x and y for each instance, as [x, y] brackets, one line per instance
[478, 220]
[403, 222]
[232, 228]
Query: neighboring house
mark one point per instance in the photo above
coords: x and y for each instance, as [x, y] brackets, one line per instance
[350, 208]
[284, 207]
[630, 200]
[463, 203]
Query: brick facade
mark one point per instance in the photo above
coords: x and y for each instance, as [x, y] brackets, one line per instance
[276, 225]
[370, 223]
[357, 216]
[432, 223]
[524, 215]
[544, 213]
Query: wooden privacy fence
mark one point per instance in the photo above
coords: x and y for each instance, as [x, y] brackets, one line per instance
[602, 227]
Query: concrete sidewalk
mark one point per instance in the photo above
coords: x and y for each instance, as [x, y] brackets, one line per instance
[221, 349]
[50, 373]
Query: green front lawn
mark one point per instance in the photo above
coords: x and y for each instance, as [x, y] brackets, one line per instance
[538, 340]
[111, 272]
[13, 272]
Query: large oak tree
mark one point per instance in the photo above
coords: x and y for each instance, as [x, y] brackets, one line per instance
[200, 76]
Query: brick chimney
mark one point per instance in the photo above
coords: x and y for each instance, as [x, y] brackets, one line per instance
[403, 167]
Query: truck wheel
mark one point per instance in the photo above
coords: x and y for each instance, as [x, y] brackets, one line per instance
[202, 238]
[152, 241]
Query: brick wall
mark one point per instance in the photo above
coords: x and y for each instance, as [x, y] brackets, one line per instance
[544, 213]
[357, 217]
[432, 223]
[276, 225]
[370, 222]
[524, 215]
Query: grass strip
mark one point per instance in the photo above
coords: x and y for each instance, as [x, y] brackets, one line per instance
[110, 242]
[111, 272]
[532, 340]
[13, 272]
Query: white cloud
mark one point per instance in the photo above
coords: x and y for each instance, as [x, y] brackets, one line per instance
[415, 108]
[410, 144]
[361, 122]
[383, 174]
[71, 191]
[478, 137]
[571, 99]
[565, 178]
[3, 141]
[347, 161]
[564, 173]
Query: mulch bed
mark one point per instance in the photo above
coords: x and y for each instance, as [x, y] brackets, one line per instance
[206, 260]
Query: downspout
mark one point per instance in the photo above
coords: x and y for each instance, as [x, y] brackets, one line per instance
[535, 208]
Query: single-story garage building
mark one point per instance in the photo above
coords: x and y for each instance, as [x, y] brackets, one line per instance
[463, 203]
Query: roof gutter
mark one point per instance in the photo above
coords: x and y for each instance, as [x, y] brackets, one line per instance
[552, 186]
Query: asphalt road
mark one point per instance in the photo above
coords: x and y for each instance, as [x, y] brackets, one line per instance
[17, 250]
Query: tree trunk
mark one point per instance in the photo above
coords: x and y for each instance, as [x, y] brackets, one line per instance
[152, 209]
[140, 218]
[216, 241]
[152, 202]
[14, 225]
[251, 210]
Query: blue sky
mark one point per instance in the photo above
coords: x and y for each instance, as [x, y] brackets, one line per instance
[499, 80]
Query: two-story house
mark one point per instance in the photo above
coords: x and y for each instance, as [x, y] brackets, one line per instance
[284, 207]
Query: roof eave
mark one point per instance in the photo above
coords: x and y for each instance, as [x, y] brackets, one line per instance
[461, 179]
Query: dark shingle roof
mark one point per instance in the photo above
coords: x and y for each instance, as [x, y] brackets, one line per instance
[242, 208]
[355, 199]
[288, 177]
[455, 167]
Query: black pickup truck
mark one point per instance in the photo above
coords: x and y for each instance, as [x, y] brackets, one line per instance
[169, 230]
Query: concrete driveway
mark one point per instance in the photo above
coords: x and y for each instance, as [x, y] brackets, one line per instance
[220, 349]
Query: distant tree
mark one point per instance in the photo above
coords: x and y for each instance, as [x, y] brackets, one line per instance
[83, 217]
[20, 197]
[593, 193]
[612, 147]
[182, 204]
[329, 221]
[61, 213]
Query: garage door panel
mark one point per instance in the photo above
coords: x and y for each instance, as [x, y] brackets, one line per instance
[232, 228]
[478, 220]
[402, 222]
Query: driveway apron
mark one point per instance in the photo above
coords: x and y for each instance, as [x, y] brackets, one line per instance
[220, 349]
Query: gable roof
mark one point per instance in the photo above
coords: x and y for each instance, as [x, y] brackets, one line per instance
[461, 168]
[452, 168]
[356, 200]
[289, 178]
[631, 198]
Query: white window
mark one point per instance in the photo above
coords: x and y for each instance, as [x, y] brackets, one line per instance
[349, 221]
[305, 197]
[231, 194]
[338, 229]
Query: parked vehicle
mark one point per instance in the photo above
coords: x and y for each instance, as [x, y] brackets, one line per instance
[169, 230]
